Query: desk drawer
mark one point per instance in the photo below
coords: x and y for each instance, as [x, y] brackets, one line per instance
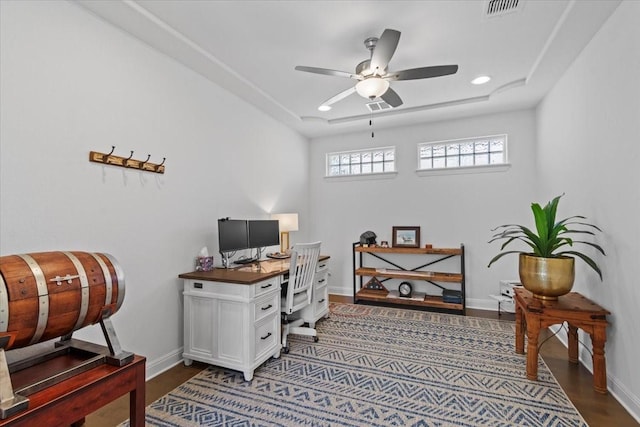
[267, 305]
[322, 266]
[321, 298]
[270, 285]
[267, 336]
[320, 279]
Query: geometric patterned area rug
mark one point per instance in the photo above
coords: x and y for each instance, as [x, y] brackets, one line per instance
[378, 366]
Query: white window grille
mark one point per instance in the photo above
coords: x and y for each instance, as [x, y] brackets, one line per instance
[361, 162]
[463, 153]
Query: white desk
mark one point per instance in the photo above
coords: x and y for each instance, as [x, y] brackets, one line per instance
[232, 316]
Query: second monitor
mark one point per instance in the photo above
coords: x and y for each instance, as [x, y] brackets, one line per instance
[263, 233]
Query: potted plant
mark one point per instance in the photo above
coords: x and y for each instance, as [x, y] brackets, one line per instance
[548, 269]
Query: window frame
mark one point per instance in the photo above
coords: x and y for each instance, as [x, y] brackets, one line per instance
[350, 153]
[475, 168]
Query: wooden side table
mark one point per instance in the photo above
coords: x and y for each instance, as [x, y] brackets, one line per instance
[579, 312]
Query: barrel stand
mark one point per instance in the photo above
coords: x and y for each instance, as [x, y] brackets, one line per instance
[14, 401]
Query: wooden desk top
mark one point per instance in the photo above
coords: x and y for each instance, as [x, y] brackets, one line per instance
[245, 274]
[571, 303]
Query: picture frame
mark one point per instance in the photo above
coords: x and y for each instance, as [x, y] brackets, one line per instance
[406, 237]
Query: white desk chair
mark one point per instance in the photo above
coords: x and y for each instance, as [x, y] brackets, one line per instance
[304, 258]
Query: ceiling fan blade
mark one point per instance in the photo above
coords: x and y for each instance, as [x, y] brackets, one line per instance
[424, 72]
[326, 71]
[382, 53]
[391, 98]
[340, 96]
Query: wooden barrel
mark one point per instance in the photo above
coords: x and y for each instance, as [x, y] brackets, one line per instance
[51, 294]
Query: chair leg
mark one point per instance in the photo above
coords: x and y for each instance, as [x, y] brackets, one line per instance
[295, 327]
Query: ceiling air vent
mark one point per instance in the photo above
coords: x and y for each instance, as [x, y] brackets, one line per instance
[378, 106]
[501, 7]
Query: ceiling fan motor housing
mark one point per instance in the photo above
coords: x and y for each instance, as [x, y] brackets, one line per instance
[364, 68]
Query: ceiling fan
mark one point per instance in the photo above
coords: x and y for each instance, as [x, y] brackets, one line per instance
[373, 76]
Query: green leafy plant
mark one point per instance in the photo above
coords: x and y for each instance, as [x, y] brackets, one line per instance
[551, 238]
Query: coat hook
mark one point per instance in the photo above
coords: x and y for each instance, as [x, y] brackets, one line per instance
[113, 147]
[142, 163]
[126, 161]
[158, 167]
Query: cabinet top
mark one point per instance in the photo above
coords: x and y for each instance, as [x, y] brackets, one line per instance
[429, 251]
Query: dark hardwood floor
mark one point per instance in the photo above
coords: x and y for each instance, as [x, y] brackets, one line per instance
[597, 409]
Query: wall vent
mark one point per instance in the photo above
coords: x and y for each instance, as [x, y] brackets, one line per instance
[378, 106]
[501, 7]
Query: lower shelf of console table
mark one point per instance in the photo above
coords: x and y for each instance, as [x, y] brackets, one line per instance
[428, 301]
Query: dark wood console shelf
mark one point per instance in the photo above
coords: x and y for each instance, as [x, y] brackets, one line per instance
[426, 258]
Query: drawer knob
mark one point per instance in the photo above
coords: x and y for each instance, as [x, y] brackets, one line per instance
[197, 285]
[321, 301]
[266, 286]
[267, 307]
[321, 280]
[266, 336]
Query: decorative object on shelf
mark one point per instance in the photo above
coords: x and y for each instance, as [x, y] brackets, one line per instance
[549, 271]
[287, 222]
[384, 244]
[405, 289]
[126, 162]
[406, 237]
[375, 285]
[368, 238]
[451, 295]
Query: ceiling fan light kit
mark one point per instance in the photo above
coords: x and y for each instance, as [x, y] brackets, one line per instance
[372, 87]
[373, 76]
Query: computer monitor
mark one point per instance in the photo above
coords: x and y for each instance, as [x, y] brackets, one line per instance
[263, 233]
[233, 235]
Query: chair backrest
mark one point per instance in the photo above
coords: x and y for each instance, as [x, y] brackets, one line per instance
[302, 268]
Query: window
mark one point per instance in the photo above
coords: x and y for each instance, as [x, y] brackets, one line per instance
[362, 162]
[463, 153]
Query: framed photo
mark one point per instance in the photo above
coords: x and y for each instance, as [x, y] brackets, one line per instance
[406, 237]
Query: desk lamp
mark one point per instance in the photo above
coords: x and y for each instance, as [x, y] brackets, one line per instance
[287, 222]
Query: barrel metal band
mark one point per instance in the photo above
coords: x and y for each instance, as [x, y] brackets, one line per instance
[119, 277]
[43, 297]
[4, 306]
[84, 289]
[108, 284]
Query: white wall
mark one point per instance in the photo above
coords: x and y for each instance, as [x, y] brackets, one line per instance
[450, 209]
[588, 134]
[71, 83]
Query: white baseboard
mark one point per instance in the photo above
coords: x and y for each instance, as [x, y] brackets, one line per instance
[616, 388]
[159, 365]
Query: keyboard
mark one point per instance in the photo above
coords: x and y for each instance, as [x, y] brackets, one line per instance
[245, 261]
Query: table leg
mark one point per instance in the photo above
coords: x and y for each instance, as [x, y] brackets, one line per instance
[598, 339]
[137, 399]
[572, 337]
[519, 330]
[533, 330]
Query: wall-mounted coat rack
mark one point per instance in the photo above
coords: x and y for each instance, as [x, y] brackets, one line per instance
[126, 162]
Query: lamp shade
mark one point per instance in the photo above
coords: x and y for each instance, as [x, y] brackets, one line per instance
[288, 221]
[372, 87]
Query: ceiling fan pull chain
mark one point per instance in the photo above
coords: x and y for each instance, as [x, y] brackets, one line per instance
[371, 124]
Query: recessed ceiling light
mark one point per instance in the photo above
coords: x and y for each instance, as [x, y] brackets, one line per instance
[324, 107]
[480, 80]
